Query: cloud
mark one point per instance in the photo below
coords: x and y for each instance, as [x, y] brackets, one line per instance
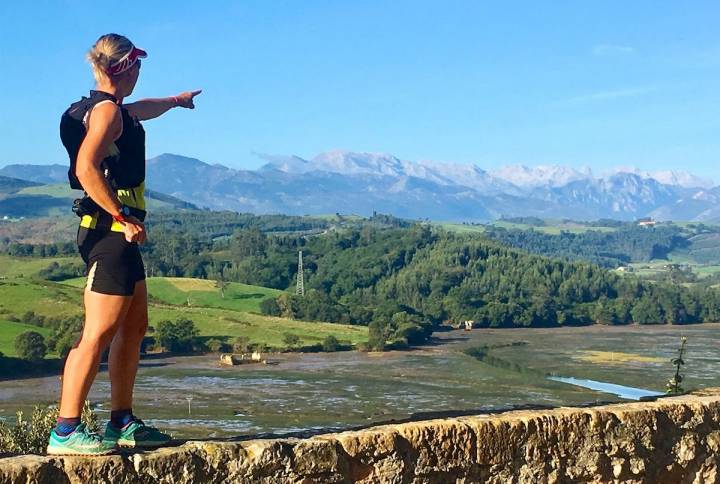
[612, 49]
[610, 95]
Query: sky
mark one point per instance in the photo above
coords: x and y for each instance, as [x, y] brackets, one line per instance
[592, 83]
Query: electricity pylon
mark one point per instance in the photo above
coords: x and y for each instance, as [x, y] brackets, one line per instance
[300, 288]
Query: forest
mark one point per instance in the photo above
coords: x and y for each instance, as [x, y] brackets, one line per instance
[628, 243]
[403, 280]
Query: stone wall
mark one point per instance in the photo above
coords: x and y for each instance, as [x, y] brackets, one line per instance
[671, 440]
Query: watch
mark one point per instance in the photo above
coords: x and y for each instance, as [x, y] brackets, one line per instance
[124, 212]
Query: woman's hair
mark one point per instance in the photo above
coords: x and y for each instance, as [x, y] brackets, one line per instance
[108, 49]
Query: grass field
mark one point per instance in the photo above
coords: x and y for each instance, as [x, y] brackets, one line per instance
[657, 266]
[227, 317]
[9, 331]
[462, 228]
[179, 291]
[61, 190]
[12, 267]
[552, 227]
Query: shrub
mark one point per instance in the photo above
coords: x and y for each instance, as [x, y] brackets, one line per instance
[31, 436]
[147, 344]
[217, 346]
[330, 344]
[65, 334]
[57, 272]
[313, 348]
[363, 347]
[270, 307]
[291, 340]
[377, 335]
[30, 346]
[242, 344]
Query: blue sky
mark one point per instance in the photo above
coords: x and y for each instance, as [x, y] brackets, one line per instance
[592, 83]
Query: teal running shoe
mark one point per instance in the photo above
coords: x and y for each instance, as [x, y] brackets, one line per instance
[79, 442]
[135, 435]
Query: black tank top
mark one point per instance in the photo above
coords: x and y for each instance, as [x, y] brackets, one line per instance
[124, 165]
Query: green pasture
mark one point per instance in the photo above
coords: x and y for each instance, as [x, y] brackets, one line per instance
[461, 228]
[214, 322]
[12, 267]
[657, 266]
[61, 190]
[49, 299]
[333, 217]
[201, 292]
[179, 291]
[552, 227]
[228, 317]
[10, 330]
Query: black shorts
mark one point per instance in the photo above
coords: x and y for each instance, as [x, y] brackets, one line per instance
[114, 265]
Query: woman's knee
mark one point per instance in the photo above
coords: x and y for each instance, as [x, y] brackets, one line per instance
[134, 328]
[97, 341]
[139, 329]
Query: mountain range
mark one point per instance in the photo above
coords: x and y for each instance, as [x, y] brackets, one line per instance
[361, 183]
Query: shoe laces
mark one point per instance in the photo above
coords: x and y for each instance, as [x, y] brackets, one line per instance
[85, 434]
[143, 425]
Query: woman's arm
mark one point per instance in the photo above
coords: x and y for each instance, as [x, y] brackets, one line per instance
[104, 125]
[152, 108]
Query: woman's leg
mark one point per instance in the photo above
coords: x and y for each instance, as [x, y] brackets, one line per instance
[125, 349]
[103, 314]
[123, 429]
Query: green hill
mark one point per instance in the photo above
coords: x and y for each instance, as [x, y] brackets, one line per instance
[226, 317]
[181, 291]
[13, 185]
[29, 199]
[9, 330]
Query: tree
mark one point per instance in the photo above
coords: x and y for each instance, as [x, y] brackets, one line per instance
[178, 336]
[376, 335]
[291, 340]
[221, 284]
[30, 346]
[647, 311]
[270, 307]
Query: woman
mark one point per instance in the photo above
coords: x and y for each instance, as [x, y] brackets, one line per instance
[106, 145]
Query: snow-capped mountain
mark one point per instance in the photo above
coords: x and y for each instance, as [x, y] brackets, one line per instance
[669, 177]
[360, 183]
[542, 175]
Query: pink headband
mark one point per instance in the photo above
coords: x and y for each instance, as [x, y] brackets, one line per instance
[126, 61]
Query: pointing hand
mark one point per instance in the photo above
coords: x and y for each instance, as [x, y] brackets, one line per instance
[185, 99]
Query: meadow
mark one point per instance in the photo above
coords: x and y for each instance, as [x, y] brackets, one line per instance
[226, 317]
[552, 227]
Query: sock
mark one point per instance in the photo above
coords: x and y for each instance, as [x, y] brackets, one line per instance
[120, 418]
[66, 425]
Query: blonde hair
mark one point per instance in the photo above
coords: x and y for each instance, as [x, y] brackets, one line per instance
[108, 49]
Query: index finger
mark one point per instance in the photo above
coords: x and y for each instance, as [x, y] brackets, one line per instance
[195, 93]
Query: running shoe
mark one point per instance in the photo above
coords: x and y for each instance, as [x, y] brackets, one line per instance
[80, 442]
[136, 435]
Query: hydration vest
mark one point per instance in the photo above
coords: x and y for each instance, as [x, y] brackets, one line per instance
[124, 166]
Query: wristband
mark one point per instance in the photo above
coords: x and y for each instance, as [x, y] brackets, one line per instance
[176, 101]
[124, 212]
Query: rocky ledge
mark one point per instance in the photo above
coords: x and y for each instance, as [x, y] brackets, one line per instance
[672, 439]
